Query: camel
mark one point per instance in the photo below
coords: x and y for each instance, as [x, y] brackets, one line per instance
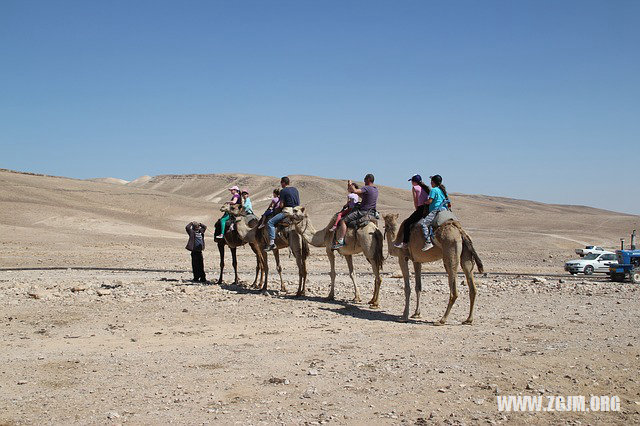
[366, 240]
[451, 244]
[233, 240]
[258, 238]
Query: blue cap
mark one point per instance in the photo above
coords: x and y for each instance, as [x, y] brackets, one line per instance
[416, 178]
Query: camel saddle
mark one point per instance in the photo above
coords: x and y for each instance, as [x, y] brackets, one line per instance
[372, 216]
[442, 217]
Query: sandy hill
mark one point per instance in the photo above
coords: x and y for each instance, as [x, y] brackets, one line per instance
[114, 181]
[47, 220]
[577, 224]
[508, 231]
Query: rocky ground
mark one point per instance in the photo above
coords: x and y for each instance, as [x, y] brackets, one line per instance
[96, 347]
[140, 344]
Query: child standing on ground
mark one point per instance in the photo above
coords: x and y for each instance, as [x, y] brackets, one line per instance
[196, 246]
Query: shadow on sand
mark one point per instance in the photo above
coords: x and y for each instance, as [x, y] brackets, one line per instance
[339, 307]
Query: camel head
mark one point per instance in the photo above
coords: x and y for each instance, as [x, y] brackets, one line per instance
[225, 208]
[296, 214]
[391, 223]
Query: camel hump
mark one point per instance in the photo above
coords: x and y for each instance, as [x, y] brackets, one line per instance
[444, 216]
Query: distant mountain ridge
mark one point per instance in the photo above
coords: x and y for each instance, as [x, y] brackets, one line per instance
[158, 207]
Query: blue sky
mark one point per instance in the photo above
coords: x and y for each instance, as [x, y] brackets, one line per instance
[526, 99]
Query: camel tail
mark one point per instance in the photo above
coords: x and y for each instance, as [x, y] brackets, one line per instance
[378, 243]
[467, 244]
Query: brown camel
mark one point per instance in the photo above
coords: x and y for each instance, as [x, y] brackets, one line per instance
[451, 244]
[367, 240]
[259, 238]
[233, 240]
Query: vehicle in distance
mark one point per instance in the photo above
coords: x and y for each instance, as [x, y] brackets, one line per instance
[590, 263]
[589, 249]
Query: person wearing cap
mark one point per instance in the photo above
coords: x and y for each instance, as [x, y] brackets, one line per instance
[438, 201]
[289, 197]
[235, 199]
[246, 202]
[420, 193]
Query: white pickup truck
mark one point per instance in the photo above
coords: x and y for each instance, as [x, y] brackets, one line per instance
[589, 250]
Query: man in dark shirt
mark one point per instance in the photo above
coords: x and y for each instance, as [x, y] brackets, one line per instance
[195, 246]
[369, 195]
[289, 197]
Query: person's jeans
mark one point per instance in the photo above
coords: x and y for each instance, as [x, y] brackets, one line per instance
[426, 223]
[271, 225]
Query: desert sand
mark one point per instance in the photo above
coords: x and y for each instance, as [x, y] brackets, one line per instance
[102, 325]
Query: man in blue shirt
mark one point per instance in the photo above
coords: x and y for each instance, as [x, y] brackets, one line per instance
[289, 197]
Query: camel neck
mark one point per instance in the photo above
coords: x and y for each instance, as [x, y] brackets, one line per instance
[391, 237]
[242, 227]
[313, 237]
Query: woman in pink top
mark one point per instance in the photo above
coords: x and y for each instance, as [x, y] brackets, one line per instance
[235, 199]
[352, 200]
[420, 192]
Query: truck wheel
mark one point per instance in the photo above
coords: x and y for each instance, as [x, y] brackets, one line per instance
[588, 270]
[635, 276]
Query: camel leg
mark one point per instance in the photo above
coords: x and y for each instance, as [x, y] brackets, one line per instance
[258, 273]
[258, 267]
[299, 293]
[332, 274]
[221, 251]
[352, 275]
[276, 254]
[302, 276]
[376, 285]
[375, 301]
[234, 262]
[417, 267]
[404, 267]
[265, 268]
[467, 268]
[451, 266]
